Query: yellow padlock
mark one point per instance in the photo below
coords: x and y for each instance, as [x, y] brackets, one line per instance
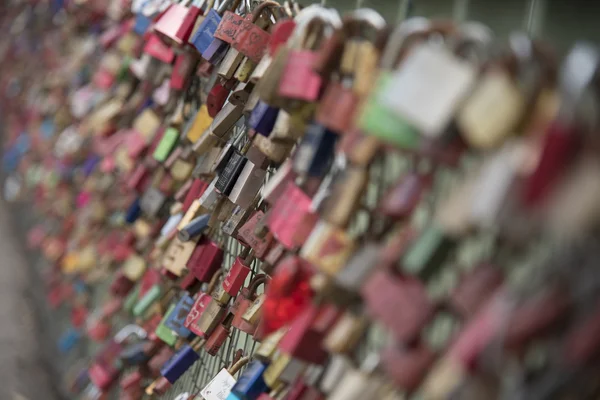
[200, 124]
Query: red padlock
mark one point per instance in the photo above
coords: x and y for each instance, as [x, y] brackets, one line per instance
[407, 367]
[157, 49]
[121, 285]
[236, 276]
[247, 235]
[474, 289]
[291, 219]
[304, 339]
[196, 190]
[243, 302]
[218, 336]
[180, 76]
[229, 27]
[251, 40]
[288, 294]
[216, 99]
[400, 303]
[205, 260]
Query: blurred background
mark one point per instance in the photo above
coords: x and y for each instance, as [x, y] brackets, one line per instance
[32, 365]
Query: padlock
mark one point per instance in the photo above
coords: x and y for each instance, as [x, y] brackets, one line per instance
[251, 383]
[163, 333]
[288, 293]
[328, 248]
[360, 383]
[220, 386]
[236, 276]
[181, 75]
[291, 219]
[346, 193]
[210, 318]
[458, 77]
[427, 252]
[474, 289]
[304, 340]
[177, 255]
[247, 235]
[251, 40]
[194, 228]
[510, 88]
[248, 184]
[166, 144]
[206, 260]
[225, 120]
[277, 183]
[405, 319]
[215, 341]
[357, 62]
[146, 301]
[202, 121]
[263, 118]
[407, 367]
[346, 333]
[276, 151]
[375, 118]
[102, 372]
[253, 314]
[176, 320]
[196, 190]
[231, 172]
[159, 50]
[216, 99]
[200, 304]
[315, 152]
[402, 200]
[243, 301]
[283, 369]
[182, 361]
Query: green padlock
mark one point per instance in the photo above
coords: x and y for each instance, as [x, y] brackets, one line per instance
[428, 252]
[131, 300]
[166, 145]
[151, 296]
[376, 118]
[164, 333]
[379, 121]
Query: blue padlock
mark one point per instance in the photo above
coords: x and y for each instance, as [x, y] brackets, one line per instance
[194, 228]
[142, 23]
[133, 212]
[263, 118]
[68, 340]
[316, 151]
[251, 384]
[182, 361]
[205, 33]
[215, 51]
[175, 321]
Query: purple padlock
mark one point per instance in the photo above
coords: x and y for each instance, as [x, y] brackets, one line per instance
[215, 51]
[263, 118]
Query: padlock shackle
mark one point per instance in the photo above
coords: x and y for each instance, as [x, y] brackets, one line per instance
[129, 330]
[363, 17]
[307, 18]
[256, 282]
[261, 7]
[398, 38]
[213, 281]
[235, 368]
[226, 5]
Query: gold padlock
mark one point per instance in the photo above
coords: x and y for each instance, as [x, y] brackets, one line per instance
[275, 151]
[254, 312]
[211, 317]
[177, 255]
[284, 368]
[268, 346]
[200, 125]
